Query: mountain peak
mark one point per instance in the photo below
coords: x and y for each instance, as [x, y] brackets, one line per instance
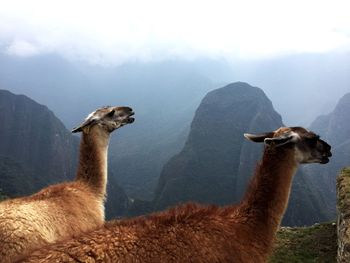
[214, 147]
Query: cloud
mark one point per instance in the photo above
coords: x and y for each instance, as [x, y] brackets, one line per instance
[118, 31]
[22, 49]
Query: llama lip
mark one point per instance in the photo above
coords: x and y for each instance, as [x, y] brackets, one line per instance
[130, 120]
[324, 160]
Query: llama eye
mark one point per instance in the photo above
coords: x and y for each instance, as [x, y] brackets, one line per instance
[313, 140]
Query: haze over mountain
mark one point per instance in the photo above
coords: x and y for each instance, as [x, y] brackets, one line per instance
[216, 162]
[76, 56]
[213, 167]
[165, 95]
[260, 43]
[301, 86]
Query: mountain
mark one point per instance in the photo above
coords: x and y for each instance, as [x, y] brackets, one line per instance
[216, 162]
[35, 144]
[335, 128]
[164, 96]
[312, 81]
[36, 150]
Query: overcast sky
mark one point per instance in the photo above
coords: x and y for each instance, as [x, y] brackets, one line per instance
[119, 31]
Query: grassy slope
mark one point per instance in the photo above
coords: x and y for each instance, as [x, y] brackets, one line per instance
[317, 243]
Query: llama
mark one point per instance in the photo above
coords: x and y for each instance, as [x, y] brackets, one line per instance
[194, 233]
[67, 209]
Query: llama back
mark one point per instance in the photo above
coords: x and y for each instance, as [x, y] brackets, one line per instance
[47, 217]
[186, 234]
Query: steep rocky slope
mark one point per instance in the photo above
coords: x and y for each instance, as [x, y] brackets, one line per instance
[35, 144]
[36, 150]
[216, 162]
[335, 128]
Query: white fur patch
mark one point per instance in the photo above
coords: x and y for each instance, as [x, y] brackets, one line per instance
[295, 136]
[90, 115]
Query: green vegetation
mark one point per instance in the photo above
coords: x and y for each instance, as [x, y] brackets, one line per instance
[317, 243]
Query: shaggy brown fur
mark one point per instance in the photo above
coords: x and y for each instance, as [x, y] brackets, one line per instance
[59, 211]
[192, 233]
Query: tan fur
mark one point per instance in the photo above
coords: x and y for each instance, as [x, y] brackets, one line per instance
[53, 214]
[59, 211]
[193, 233]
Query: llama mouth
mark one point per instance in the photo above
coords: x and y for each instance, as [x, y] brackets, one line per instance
[128, 118]
[324, 160]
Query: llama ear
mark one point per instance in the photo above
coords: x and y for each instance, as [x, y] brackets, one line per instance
[283, 139]
[84, 126]
[258, 137]
[77, 129]
[111, 113]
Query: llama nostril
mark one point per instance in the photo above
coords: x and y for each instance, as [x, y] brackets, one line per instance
[127, 108]
[327, 154]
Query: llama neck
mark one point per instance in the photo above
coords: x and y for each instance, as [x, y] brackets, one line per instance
[92, 167]
[267, 196]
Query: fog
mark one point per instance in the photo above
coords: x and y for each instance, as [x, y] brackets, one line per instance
[117, 32]
[162, 57]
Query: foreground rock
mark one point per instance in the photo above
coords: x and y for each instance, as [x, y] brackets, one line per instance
[343, 215]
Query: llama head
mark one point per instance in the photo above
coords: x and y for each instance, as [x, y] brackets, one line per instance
[106, 118]
[308, 146]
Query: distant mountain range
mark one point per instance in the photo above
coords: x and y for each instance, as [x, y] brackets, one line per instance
[210, 161]
[165, 95]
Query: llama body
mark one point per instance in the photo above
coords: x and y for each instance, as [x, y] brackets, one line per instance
[63, 210]
[188, 233]
[50, 215]
[192, 233]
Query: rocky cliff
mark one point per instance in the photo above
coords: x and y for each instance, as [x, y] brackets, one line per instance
[343, 215]
[36, 150]
[335, 129]
[216, 162]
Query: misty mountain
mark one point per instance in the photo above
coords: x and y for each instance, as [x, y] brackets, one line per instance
[301, 86]
[36, 150]
[335, 128]
[216, 162]
[165, 95]
[35, 143]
